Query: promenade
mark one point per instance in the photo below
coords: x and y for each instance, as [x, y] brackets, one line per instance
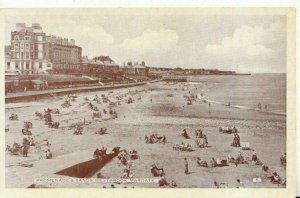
[34, 95]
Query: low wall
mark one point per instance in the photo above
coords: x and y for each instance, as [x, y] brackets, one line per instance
[48, 93]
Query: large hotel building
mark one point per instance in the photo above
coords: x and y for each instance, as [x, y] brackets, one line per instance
[32, 51]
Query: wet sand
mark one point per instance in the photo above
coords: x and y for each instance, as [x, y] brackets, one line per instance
[165, 115]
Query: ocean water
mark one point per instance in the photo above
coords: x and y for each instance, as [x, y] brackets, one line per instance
[245, 90]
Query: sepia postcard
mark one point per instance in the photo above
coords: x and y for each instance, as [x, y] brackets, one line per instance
[139, 100]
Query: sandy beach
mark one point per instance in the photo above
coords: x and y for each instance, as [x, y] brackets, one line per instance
[154, 111]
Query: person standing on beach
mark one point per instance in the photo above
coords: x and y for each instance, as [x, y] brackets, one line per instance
[209, 107]
[186, 171]
[259, 106]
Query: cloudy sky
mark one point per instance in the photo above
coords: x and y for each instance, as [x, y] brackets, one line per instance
[244, 43]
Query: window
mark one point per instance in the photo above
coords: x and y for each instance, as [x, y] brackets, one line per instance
[26, 46]
[40, 47]
[16, 37]
[27, 65]
[27, 38]
[40, 65]
[8, 65]
[31, 46]
[17, 46]
[21, 54]
[17, 65]
[22, 45]
[27, 54]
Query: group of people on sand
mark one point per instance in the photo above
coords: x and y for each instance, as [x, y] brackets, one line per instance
[213, 163]
[259, 107]
[47, 154]
[126, 158]
[274, 176]
[199, 134]
[154, 138]
[100, 153]
[78, 130]
[160, 173]
[13, 116]
[23, 149]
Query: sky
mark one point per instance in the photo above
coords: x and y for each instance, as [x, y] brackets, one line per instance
[242, 43]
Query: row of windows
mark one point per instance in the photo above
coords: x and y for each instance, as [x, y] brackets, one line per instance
[27, 65]
[21, 45]
[66, 57]
[24, 55]
[27, 38]
[63, 66]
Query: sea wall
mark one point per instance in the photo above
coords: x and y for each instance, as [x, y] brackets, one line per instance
[36, 95]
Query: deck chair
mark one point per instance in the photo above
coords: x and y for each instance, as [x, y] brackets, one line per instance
[245, 146]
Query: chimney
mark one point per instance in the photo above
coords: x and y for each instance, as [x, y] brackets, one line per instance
[20, 26]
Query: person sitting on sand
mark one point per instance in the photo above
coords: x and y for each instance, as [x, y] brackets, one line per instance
[126, 173]
[283, 159]
[99, 175]
[184, 133]
[240, 184]
[96, 153]
[265, 168]
[48, 154]
[157, 171]
[162, 181]
[240, 158]
[201, 163]
[134, 152]
[103, 150]
[215, 185]
[254, 156]
[275, 178]
[213, 163]
[230, 159]
[173, 184]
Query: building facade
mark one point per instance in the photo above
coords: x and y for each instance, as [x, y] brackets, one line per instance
[27, 50]
[32, 51]
[107, 63]
[64, 54]
[136, 69]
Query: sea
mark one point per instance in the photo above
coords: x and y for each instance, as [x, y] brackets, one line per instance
[269, 90]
